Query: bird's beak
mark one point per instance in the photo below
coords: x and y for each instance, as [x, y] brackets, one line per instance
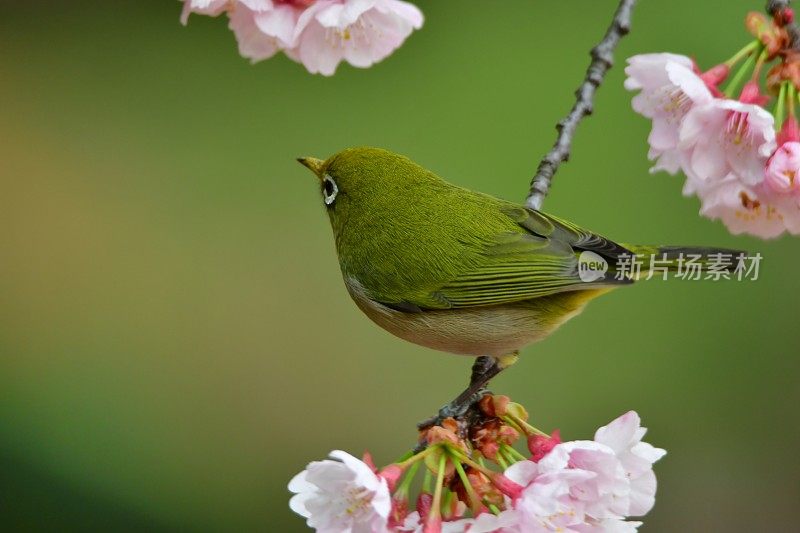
[313, 164]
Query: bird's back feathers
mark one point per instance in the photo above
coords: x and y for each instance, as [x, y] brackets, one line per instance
[423, 243]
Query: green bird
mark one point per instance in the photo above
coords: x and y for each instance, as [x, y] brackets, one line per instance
[461, 271]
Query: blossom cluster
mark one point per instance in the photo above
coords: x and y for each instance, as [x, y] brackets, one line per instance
[740, 159]
[317, 33]
[583, 486]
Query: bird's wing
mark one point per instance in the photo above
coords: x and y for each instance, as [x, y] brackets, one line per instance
[520, 265]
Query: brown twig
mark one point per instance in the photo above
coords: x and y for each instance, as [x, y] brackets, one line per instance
[602, 60]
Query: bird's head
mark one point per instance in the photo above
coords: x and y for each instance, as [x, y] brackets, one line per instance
[363, 181]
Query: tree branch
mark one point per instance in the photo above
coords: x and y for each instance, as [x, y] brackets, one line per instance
[602, 60]
[774, 8]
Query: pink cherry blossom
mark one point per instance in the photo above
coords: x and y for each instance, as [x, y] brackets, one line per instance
[576, 487]
[624, 437]
[669, 90]
[789, 208]
[546, 503]
[603, 495]
[319, 34]
[589, 486]
[484, 523]
[783, 168]
[361, 32]
[262, 27]
[488, 522]
[743, 173]
[610, 525]
[202, 7]
[743, 208]
[343, 495]
[726, 137]
[216, 7]
[262, 34]
[541, 445]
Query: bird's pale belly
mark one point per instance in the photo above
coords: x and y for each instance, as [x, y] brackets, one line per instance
[488, 330]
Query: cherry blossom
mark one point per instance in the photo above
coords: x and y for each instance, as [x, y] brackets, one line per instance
[669, 90]
[319, 34]
[202, 7]
[724, 140]
[484, 523]
[783, 168]
[341, 495]
[604, 494]
[624, 437]
[546, 503]
[727, 136]
[361, 32]
[742, 208]
[577, 486]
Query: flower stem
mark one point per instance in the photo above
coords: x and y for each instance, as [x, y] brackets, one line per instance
[447, 500]
[514, 453]
[410, 475]
[779, 108]
[500, 460]
[436, 505]
[733, 86]
[510, 459]
[409, 454]
[508, 420]
[747, 50]
[480, 468]
[426, 481]
[762, 57]
[414, 458]
[524, 426]
[474, 500]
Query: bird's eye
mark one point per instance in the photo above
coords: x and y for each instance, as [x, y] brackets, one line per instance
[329, 189]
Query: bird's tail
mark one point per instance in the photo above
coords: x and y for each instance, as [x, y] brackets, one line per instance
[694, 262]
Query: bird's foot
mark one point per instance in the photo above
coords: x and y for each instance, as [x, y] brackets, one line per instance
[463, 409]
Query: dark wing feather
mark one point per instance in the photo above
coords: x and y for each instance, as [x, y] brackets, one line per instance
[517, 266]
[579, 239]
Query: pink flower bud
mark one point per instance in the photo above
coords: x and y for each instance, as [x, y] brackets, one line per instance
[782, 170]
[751, 94]
[715, 75]
[399, 511]
[367, 459]
[391, 474]
[539, 445]
[789, 132]
[424, 502]
[433, 525]
[506, 486]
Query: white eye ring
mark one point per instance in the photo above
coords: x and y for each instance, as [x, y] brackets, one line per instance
[329, 189]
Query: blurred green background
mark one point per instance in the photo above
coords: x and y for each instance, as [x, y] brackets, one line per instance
[175, 338]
